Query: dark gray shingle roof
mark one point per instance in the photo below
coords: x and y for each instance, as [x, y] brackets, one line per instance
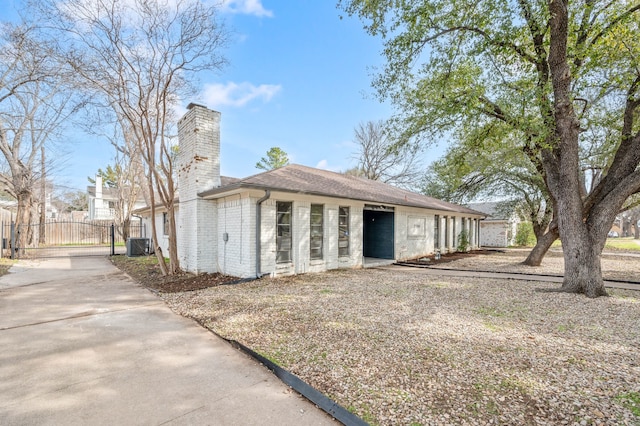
[307, 180]
[494, 210]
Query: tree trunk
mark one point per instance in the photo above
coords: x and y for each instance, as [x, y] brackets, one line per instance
[154, 232]
[543, 244]
[174, 262]
[583, 272]
[42, 237]
[23, 218]
[582, 243]
[126, 223]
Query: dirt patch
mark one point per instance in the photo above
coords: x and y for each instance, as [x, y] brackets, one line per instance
[449, 257]
[398, 347]
[145, 270]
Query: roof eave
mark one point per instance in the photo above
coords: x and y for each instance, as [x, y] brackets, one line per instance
[221, 191]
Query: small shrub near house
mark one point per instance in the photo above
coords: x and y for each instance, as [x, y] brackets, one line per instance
[463, 241]
[524, 235]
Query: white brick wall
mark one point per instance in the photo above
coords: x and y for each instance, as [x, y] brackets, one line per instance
[301, 228]
[331, 236]
[163, 239]
[494, 233]
[268, 237]
[405, 246]
[235, 215]
[198, 170]
[199, 153]
[236, 218]
[412, 246]
[300, 235]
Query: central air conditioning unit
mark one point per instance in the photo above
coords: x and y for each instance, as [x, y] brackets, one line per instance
[136, 247]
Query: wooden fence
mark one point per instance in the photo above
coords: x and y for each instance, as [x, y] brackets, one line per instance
[60, 236]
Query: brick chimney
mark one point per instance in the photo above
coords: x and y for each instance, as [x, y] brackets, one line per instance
[198, 171]
[199, 151]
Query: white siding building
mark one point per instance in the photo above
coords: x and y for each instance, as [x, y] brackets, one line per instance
[102, 201]
[297, 219]
[498, 229]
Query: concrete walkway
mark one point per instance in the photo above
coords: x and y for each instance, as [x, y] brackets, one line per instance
[80, 343]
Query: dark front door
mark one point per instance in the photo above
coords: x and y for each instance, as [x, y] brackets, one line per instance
[378, 234]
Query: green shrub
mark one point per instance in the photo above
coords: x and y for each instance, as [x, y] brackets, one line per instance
[463, 240]
[524, 235]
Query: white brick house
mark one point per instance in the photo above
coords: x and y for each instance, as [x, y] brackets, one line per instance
[306, 219]
[102, 201]
[499, 228]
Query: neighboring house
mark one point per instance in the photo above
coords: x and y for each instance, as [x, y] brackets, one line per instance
[102, 201]
[305, 219]
[499, 228]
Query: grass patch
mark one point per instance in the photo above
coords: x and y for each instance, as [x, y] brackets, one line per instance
[622, 244]
[631, 401]
[626, 244]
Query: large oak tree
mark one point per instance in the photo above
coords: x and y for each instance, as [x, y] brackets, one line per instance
[483, 165]
[556, 72]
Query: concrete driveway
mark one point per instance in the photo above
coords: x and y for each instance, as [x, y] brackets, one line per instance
[80, 343]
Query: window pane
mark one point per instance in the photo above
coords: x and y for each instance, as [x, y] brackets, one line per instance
[446, 232]
[283, 232]
[283, 207]
[283, 256]
[343, 231]
[316, 232]
[283, 243]
[284, 218]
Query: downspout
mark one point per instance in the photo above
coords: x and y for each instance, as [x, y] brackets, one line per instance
[267, 194]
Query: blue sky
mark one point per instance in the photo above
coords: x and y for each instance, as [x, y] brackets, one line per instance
[298, 78]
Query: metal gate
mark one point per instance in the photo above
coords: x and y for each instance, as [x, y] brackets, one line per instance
[62, 239]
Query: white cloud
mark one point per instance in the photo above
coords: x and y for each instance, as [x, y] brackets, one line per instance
[237, 94]
[249, 7]
[324, 165]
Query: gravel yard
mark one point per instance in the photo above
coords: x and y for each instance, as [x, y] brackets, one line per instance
[615, 266]
[409, 349]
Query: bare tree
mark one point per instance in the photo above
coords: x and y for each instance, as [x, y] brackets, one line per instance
[380, 159]
[125, 185]
[139, 56]
[32, 107]
[42, 236]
